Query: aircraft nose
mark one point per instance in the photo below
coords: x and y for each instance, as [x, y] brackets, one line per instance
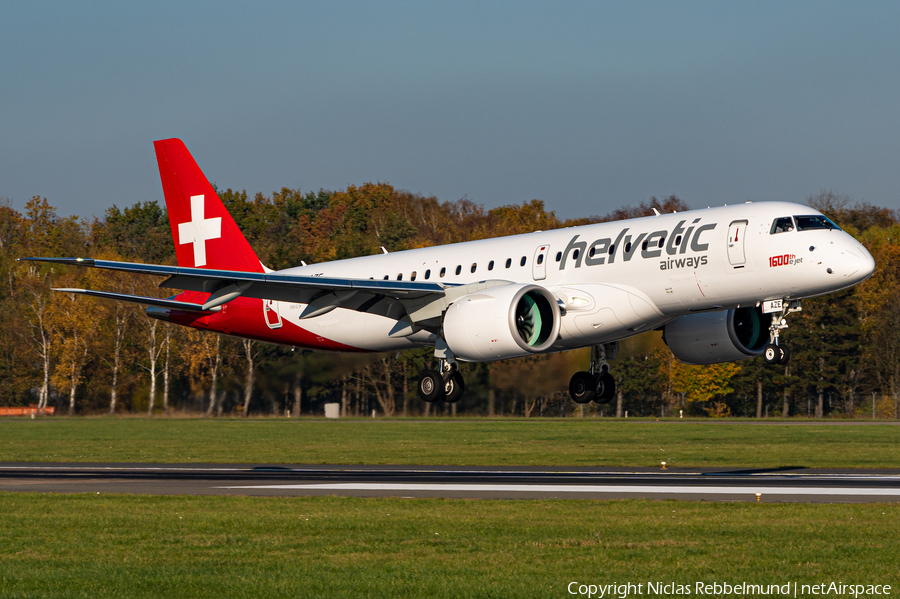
[861, 263]
[867, 264]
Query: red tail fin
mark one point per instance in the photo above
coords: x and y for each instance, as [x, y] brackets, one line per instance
[205, 234]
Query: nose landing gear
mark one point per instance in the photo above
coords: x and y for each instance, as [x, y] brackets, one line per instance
[775, 353]
[597, 384]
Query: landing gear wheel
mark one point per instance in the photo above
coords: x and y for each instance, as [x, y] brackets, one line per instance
[772, 354]
[582, 387]
[454, 387]
[606, 388]
[431, 386]
[785, 354]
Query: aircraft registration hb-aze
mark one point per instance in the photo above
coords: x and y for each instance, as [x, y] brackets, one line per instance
[718, 282]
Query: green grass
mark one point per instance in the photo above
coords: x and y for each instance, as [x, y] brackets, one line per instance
[124, 546]
[549, 442]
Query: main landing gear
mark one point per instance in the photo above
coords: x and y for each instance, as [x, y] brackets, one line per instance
[597, 384]
[444, 383]
[775, 353]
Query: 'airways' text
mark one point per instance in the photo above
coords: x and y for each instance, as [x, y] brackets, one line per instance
[692, 262]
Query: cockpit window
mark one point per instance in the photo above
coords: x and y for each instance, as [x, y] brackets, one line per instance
[783, 225]
[815, 221]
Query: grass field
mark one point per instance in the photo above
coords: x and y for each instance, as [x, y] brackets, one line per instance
[124, 546]
[549, 442]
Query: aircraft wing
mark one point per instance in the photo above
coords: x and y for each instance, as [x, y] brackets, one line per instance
[225, 285]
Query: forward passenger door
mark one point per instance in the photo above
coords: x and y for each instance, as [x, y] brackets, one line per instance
[737, 231]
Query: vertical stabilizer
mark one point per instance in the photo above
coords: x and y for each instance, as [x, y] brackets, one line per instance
[204, 233]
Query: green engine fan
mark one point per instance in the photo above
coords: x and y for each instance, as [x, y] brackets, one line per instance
[533, 319]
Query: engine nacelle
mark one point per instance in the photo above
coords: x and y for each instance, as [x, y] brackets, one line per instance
[713, 337]
[502, 322]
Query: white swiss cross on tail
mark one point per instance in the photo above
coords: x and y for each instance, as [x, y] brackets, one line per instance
[199, 230]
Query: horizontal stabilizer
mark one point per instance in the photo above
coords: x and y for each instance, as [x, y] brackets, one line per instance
[272, 285]
[140, 299]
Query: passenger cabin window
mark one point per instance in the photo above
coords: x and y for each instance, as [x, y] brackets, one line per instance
[815, 221]
[474, 266]
[591, 252]
[400, 277]
[458, 269]
[522, 261]
[412, 277]
[491, 265]
[559, 255]
[784, 224]
[427, 274]
[508, 262]
[443, 271]
[386, 277]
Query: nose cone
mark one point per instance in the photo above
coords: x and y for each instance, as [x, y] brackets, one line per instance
[867, 264]
[860, 265]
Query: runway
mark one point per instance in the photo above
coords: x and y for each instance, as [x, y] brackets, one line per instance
[773, 485]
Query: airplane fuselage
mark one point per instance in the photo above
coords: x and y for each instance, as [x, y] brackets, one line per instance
[612, 279]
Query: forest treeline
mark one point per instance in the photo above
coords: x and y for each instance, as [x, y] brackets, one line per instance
[86, 355]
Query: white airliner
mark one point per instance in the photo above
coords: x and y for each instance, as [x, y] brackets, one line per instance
[718, 282]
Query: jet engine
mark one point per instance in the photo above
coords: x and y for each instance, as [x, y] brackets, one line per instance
[713, 337]
[502, 322]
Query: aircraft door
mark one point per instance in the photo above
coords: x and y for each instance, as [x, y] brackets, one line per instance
[737, 232]
[539, 264]
[271, 313]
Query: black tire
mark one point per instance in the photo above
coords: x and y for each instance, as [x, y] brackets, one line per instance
[771, 354]
[454, 388]
[785, 354]
[430, 387]
[582, 387]
[606, 388]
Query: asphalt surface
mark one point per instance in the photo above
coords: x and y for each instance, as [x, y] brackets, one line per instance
[710, 484]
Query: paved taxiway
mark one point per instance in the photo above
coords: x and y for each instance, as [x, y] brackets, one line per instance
[775, 485]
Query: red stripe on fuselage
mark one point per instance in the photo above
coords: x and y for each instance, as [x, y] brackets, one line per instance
[244, 317]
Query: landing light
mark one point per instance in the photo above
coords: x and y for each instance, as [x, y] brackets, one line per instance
[578, 302]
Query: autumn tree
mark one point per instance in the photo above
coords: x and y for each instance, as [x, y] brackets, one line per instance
[74, 330]
[140, 232]
[704, 383]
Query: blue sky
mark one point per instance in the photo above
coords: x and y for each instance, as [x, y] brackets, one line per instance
[585, 105]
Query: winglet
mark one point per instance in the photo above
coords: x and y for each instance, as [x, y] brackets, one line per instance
[204, 233]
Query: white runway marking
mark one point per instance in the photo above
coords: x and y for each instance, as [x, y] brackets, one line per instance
[658, 489]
